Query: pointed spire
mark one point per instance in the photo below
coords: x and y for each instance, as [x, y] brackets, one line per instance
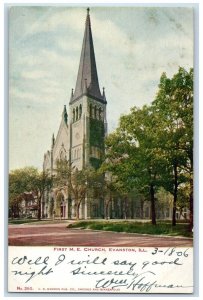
[87, 79]
[53, 140]
[104, 96]
[65, 115]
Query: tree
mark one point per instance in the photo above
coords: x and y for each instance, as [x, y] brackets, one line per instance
[28, 179]
[77, 182]
[164, 202]
[135, 156]
[51, 206]
[79, 186]
[113, 172]
[20, 181]
[40, 183]
[109, 189]
[183, 199]
[153, 145]
[174, 108]
[59, 199]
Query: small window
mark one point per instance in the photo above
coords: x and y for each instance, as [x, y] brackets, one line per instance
[90, 110]
[76, 113]
[80, 111]
[100, 113]
[95, 112]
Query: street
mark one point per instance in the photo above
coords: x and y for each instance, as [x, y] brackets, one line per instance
[59, 235]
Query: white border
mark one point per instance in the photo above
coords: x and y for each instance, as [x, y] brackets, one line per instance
[4, 150]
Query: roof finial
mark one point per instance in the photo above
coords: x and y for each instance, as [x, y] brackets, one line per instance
[88, 11]
[65, 115]
[53, 140]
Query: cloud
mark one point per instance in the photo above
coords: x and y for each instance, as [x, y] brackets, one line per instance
[111, 36]
[53, 20]
[67, 45]
[35, 74]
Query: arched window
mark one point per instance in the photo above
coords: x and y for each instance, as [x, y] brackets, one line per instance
[80, 111]
[78, 153]
[75, 155]
[95, 112]
[100, 113]
[90, 110]
[76, 113]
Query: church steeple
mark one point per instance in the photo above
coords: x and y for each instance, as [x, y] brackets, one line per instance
[65, 115]
[87, 80]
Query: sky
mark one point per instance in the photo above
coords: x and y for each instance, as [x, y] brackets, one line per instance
[133, 47]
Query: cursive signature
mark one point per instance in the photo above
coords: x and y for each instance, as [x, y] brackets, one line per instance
[139, 283]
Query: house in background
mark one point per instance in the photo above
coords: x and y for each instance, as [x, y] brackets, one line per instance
[28, 206]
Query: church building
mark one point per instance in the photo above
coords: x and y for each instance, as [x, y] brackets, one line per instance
[80, 138]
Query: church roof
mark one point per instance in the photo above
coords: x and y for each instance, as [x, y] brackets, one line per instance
[87, 80]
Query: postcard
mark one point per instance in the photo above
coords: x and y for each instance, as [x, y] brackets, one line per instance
[101, 149]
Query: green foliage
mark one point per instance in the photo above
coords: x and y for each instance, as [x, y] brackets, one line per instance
[164, 197]
[163, 228]
[63, 173]
[95, 162]
[133, 157]
[20, 181]
[173, 107]
[77, 182]
[51, 206]
[27, 179]
[153, 145]
[22, 221]
[59, 199]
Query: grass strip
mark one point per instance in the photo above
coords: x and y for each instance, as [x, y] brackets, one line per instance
[162, 228]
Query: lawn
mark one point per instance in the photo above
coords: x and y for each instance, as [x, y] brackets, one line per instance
[22, 221]
[35, 221]
[162, 228]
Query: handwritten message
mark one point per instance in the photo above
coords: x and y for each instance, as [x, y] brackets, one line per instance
[110, 270]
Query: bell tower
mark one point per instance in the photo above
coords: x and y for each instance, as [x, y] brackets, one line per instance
[87, 109]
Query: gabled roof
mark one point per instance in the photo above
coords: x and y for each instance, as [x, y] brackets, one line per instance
[87, 79]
